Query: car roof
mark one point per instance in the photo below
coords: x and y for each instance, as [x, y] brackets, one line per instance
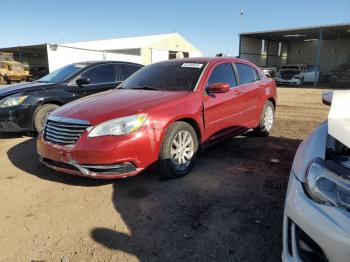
[208, 60]
[97, 62]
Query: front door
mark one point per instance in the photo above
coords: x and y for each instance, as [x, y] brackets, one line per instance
[102, 78]
[221, 110]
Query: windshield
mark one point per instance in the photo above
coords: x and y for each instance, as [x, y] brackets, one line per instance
[169, 76]
[61, 74]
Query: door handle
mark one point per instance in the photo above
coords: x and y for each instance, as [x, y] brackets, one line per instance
[237, 92]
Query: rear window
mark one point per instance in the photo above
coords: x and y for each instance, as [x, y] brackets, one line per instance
[168, 76]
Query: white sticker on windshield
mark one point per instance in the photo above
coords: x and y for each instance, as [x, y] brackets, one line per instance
[192, 65]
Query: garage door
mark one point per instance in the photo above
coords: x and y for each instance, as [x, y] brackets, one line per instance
[159, 55]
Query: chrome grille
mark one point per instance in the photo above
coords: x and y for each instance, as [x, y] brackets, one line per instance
[64, 131]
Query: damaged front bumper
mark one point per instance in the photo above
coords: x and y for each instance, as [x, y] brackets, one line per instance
[95, 171]
[108, 157]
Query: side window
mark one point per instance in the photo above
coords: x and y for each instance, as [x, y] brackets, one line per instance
[128, 70]
[101, 74]
[223, 74]
[247, 74]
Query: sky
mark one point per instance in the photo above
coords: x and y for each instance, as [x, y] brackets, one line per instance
[211, 26]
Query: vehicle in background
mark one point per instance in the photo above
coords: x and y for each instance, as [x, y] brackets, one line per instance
[161, 114]
[12, 71]
[297, 74]
[316, 223]
[25, 107]
[270, 72]
[340, 76]
[37, 73]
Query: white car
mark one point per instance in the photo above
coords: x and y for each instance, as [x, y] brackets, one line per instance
[297, 74]
[316, 221]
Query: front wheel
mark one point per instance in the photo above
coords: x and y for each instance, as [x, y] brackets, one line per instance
[267, 119]
[178, 151]
[41, 114]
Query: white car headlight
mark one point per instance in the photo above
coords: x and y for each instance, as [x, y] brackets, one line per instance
[326, 187]
[119, 126]
[12, 101]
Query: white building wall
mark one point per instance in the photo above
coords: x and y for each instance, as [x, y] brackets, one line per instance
[63, 55]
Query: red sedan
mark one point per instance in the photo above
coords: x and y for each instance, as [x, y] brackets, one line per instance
[161, 114]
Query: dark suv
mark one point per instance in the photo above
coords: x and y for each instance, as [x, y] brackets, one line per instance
[25, 107]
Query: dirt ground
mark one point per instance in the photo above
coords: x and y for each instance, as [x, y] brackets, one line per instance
[228, 209]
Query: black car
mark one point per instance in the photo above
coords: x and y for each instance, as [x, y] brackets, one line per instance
[25, 107]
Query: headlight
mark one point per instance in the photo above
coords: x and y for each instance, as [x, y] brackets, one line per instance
[12, 101]
[296, 76]
[326, 187]
[119, 126]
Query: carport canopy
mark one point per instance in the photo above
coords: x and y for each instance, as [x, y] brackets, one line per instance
[325, 46]
[33, 56]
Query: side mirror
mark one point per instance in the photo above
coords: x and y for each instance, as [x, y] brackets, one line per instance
[327, 98]
[82, 81]
[218, 88]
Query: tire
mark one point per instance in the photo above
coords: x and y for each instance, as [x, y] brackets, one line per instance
[170, 163]
[41, 114]
[266, 120]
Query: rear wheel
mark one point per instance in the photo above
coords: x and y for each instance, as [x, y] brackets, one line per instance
[267, 119]
[178, 151]
[41, 114]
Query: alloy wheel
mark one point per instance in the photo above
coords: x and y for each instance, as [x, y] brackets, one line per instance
[268, 118]
[182, 150]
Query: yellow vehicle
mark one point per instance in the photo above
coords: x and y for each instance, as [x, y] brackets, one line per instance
[12, 71]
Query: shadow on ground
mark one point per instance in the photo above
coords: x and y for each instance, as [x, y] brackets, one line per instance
[14, 135]
[228, 209]
[25, 157]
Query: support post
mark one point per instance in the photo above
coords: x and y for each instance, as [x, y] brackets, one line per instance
[318, 58]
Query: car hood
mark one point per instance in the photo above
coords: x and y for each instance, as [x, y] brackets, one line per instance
[339, 117]
[116, 103]
[19, 88]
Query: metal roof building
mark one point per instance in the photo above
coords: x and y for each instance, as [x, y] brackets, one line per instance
[141, 49]
[326, 46]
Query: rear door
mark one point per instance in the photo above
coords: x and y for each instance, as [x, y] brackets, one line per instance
[221, 110]
[102, 77]
[251, 90]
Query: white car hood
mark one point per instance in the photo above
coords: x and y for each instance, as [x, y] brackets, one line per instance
[339, 117]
